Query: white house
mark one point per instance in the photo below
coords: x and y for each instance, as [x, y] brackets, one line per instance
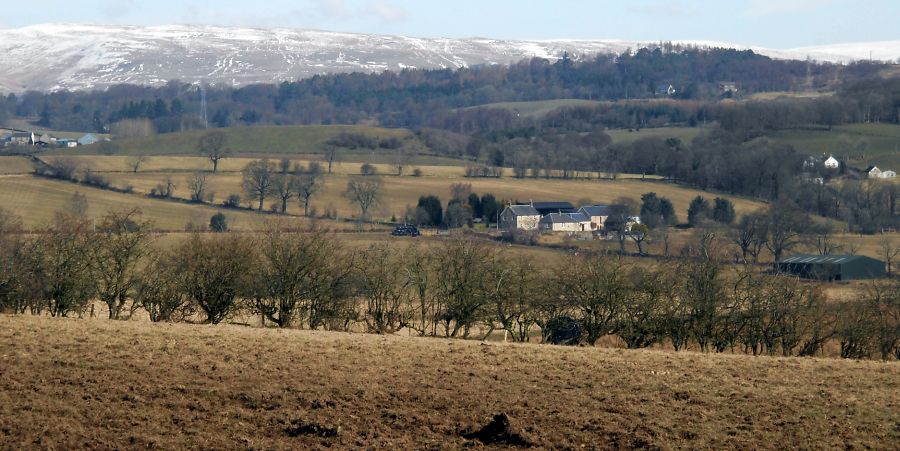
[519, 217]
[597, 214]
[831, 162]
[888, 174]
[584, 221]
[873, 172]
[559, 222]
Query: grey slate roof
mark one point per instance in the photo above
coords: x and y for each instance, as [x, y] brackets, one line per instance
[523, 210]
[558, 218]
[597, 210]
[580, 217]
[553, 207]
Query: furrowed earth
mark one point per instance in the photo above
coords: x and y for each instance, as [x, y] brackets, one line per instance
[90, 383]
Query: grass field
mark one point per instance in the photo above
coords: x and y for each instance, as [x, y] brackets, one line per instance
[36, 200]
[883, 143]
[69, 383]
[15, 165]
[685, 134]
[247, 140]
[538, 108]
[400, 192]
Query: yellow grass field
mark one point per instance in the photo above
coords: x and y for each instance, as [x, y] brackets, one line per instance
[69, 383]
[36, 200]
[15, 165]
[400, 192]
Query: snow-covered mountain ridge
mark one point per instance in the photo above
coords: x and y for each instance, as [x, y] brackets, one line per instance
[77, 56]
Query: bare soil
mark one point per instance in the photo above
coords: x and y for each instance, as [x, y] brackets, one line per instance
[70, 383]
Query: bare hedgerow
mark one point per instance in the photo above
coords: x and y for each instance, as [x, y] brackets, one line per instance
[60, 265]
[387, 289]
[120, 244]
[160, 291]
[299, 275]
[216, 272]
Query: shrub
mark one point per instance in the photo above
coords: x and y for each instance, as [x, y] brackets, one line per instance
[233, 201]
[218, 223]
[368, 169]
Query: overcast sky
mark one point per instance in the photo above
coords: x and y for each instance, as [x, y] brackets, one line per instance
[770, 23]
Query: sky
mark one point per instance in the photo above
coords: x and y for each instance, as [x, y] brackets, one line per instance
[770, 23]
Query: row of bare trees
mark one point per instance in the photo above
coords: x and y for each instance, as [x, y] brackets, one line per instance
[456, 288]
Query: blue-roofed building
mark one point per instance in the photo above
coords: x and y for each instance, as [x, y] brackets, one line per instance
[88, 139]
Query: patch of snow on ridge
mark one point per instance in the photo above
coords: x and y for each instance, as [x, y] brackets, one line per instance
[82, 56]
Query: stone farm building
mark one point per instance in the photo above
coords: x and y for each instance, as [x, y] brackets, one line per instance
[519, 217]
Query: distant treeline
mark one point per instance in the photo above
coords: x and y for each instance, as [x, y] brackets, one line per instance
[459, 288]
[432, 98]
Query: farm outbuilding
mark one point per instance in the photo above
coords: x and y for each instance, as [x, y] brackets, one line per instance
[833, 267]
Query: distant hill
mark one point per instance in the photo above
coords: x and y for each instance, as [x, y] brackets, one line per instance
[76, 56]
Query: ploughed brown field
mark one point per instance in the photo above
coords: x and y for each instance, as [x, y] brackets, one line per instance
[70, 383]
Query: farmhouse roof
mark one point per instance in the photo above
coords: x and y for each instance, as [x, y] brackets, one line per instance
[558, 218]
[597, 210]
[871, 168]
[523, 210]
[553, 207]
[578, 216]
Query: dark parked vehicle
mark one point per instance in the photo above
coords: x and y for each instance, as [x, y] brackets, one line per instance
[405, 230]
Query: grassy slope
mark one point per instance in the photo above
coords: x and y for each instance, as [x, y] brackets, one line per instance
[15, 165]
[101, 384]
[537, 108]
[685, 134]
[883, 151]
[402, 191]
[36, 200]
[248, 140]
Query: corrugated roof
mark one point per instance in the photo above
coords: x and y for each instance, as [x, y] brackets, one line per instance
[821, 259]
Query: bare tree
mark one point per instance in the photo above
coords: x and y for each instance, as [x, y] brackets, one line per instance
[785, 224]
[890, 250]
[331, 155]
[215, 272]
[298, 276]
[402, 157]
[308, 184]
[385, 286]
[639, 233]
[78, 205]
[750, 236]
[365, 193]
[212, 146]
[198, 186]
[259, 180]
[121, 243]
[136, 161]
[596, 287]
[284, 188]
[160, 289]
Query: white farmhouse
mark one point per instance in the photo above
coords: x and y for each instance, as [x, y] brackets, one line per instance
[597, 214]
[519, 217]
[873, 172]
[831, 162]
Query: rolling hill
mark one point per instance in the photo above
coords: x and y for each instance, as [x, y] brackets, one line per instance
[78, 56]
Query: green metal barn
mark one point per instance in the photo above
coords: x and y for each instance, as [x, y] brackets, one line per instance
[833, 267]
